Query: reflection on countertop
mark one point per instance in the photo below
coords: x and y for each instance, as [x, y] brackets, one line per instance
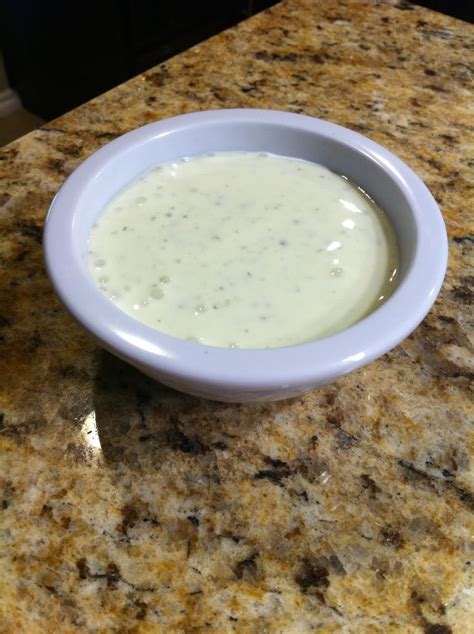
[127, 507]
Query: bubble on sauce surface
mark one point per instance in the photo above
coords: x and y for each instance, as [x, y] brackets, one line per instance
[99, 264]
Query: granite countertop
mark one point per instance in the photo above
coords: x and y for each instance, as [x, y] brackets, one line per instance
[128, 507]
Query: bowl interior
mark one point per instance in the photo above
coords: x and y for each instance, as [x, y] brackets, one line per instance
[127, 160]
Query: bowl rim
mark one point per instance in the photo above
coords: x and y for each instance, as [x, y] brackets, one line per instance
[296, 365]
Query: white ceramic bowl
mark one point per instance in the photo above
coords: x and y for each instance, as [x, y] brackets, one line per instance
[233, 374]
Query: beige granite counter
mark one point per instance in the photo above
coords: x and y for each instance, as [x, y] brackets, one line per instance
[127, 507]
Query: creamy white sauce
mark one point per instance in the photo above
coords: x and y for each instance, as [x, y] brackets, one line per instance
[243, 249]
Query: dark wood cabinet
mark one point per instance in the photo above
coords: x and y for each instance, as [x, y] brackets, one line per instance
[60, 54]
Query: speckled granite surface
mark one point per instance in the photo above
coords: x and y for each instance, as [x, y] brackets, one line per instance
[127, 507]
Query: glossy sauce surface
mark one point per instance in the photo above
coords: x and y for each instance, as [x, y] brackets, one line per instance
[242, 249]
